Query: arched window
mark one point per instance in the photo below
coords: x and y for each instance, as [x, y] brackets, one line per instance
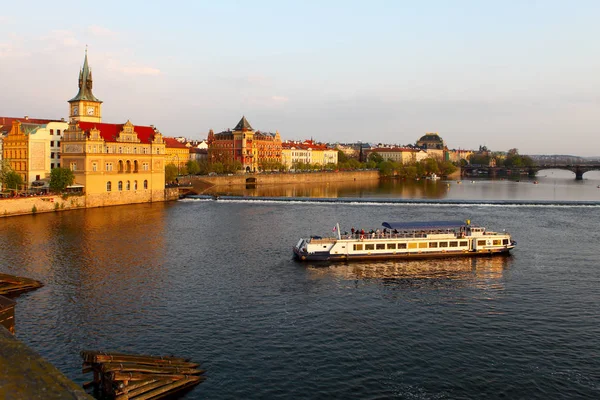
[128, 166]
[108, 186]
[135, 166]
[128, 186]
[134, 185]
[145, 184]
[120, 165]
[120, 186]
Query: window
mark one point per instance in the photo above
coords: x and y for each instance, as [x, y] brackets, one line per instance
[145, 184]
[463, 243]
[120, 186]
[52, 131]
[157, 150]
[145, 166]
[120, 149]
[52, 166]
[504, 241]
[497, 242]
[73, 166]
[58, 132]
[135, 150]
[380, 246]
[128, 186]
[134, 185]
[443, 244]
[94, 166]
[423, 245]
[453, 244]
[369, 246]
[481, 243]
[109, 166]
[52, 143]
[108, 186]
[51, 155]
[402, 246]
[391, 246]
[358, 247]
[433, 244]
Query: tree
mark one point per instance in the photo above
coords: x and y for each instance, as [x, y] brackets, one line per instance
[5, 169]
[342, 157]
[12, 180]
[375, 157]
[60, 178]
[192, 167]
[170, 172]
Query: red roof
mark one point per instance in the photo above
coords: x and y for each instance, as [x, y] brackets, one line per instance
[174, 143]
[6, 122]
[307, 144]
[109, 132]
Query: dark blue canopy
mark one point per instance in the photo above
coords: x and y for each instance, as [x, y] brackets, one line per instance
[422, 225]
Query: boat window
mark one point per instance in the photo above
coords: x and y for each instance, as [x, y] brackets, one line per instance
[402, 245]
[370, 246]
[412, 245]
[497, 242]
[504, 241]
[443, 244]
[423, 245]
[358, 247]
[453, 244]
[380, 246]
[433, 244]
[463, 243]
[481, 243]
[391, 245]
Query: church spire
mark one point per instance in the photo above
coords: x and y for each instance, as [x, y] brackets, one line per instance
[85, 83]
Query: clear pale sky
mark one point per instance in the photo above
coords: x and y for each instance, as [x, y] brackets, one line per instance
[504, 74]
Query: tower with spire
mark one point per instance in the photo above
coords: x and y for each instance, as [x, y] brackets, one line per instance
[85, 106]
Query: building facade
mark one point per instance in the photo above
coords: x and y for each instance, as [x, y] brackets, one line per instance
[434, 145]
[32, 146]
[177, 153]
[308, 153]
[402, 155]
[115, 163]
[254, 150]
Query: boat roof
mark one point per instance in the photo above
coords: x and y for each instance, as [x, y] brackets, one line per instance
[423, 225]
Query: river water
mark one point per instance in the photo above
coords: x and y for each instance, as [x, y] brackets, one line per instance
[214, 281]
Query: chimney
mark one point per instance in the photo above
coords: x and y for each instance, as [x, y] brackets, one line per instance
[62, 120]
[26, 117]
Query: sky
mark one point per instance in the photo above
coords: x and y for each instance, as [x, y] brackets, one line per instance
[504, 74]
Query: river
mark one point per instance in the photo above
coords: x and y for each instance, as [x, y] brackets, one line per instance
[214, 281]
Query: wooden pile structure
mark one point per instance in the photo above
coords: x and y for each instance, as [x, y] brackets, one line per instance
[12, 285]
[139, 377]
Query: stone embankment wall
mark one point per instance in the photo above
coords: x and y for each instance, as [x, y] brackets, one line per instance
[281, 178]
[24, 374]
[39, 204]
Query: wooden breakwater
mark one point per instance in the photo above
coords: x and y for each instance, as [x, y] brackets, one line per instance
[12, 286]
[139, 377]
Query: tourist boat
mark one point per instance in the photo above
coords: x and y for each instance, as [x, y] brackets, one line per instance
[409, 240]
[433, 177]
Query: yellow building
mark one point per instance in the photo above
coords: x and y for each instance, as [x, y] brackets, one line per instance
[115, 163]
[177, 153]
[307, 152]
[32, 146]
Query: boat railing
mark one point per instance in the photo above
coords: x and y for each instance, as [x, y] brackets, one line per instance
[398, 235]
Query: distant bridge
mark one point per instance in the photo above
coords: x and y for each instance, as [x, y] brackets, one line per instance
[578, 169]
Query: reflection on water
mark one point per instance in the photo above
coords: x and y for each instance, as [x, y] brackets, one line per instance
[551, 185]
[472, 269]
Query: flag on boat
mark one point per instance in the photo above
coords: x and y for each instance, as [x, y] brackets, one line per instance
[334, 228]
